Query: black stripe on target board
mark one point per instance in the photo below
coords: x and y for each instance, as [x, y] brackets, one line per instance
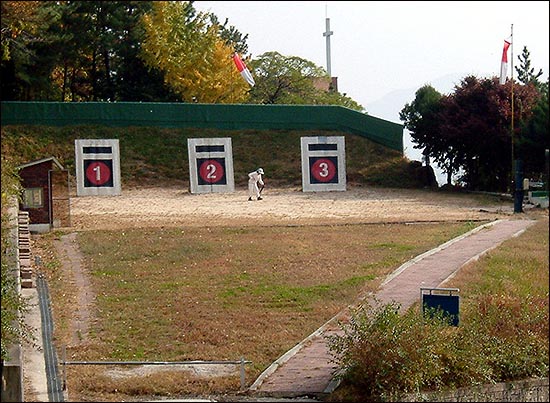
[322, 147]
[97, 150]
[210, 149]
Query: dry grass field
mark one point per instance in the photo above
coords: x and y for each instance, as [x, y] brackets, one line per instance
[159, 274]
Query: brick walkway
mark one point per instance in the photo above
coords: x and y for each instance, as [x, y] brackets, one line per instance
[307, 370]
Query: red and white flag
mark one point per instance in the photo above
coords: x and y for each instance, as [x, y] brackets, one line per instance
[245, 73]
[504, 62]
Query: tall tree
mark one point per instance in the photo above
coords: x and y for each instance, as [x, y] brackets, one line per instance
[103, 38]
[293, 80]
[133, 80]
[476, 122]
[19, 22]
[24, 24]
[230, 35]
[532, 139]
[77, 51]
[470, 129]
[526, 73]
[283, 80]
[65, 59]
[196, 63]
[419, 119]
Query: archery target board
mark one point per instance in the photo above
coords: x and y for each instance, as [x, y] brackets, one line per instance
[210, 165]
[323, 163]
[97, 167]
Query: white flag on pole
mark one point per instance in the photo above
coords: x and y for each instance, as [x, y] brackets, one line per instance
[245, 73]
[504, 62]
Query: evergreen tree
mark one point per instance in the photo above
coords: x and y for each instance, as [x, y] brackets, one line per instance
[526, 74]
[533, 140]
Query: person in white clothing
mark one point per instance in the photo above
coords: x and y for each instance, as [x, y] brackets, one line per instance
[255, 178]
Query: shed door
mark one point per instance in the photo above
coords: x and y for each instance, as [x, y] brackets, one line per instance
[59, 190]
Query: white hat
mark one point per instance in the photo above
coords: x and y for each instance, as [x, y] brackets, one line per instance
[260, 171]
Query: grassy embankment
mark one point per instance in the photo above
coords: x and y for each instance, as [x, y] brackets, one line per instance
[156, 156]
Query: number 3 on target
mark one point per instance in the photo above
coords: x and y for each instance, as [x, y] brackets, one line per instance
[323, 170]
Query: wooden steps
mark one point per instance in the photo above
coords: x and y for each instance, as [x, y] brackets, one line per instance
[24, 246]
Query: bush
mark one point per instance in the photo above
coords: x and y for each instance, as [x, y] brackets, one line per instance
[513, 332]
[384, 353]
[14, 306]
[399, 173]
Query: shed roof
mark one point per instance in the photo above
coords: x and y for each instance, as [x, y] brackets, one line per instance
[40, 161]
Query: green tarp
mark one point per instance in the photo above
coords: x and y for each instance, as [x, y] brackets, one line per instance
[220, 116]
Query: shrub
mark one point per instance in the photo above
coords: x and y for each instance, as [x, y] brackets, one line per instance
[14, 305]
[384, 353]
[400, 173]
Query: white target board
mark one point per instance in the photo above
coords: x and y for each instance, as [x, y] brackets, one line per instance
[323, 163]
[97, 167]
[210, 165]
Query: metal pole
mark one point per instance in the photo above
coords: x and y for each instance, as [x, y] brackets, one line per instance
[328, 33]
[518, 194]
[64, 368]
[546, 176]
[242, 373]
[512, 100]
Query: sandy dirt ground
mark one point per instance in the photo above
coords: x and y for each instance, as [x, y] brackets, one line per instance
[165, 207]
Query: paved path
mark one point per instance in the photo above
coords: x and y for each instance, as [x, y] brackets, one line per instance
[307, 370]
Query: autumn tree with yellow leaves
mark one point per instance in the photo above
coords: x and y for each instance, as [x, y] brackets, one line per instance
[195, 61]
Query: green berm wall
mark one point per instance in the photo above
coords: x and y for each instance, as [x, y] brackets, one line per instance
[220, 116]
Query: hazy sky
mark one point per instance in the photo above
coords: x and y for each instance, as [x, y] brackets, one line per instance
[379, 47]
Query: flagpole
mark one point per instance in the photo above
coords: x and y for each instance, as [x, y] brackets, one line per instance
[512, 101]
[232, 84]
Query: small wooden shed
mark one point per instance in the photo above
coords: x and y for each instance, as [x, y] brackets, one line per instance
[45, 194]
